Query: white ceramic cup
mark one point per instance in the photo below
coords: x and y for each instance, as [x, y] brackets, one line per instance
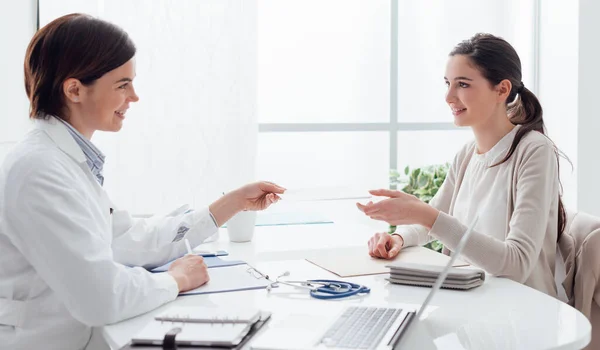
[241, 226]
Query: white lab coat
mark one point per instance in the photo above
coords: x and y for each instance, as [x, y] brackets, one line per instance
[63, 256]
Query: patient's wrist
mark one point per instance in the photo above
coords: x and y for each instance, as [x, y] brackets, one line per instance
[396, 237]
[428, 216]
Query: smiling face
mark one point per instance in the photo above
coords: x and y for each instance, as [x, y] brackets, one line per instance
[471, 97]
[102, 104]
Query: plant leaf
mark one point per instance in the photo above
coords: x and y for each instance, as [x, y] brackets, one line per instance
[423, 180]
[426, 198]
[423, 183]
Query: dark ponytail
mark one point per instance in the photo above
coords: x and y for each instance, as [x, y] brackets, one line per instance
[497, 60]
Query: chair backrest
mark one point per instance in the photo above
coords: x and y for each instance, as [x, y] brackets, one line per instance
[580, 249]
[580, 225]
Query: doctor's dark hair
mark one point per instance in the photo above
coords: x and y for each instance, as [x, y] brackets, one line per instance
[73, 46]
[497, 60]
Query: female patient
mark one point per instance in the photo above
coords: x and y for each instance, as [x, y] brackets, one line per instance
[508, 175]
[65, 249]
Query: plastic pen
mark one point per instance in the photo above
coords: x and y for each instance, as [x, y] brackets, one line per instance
[189, 247]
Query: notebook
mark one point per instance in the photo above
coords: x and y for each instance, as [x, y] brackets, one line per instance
[256, 327]
[426, 275]
[200, 326]
[355, 261]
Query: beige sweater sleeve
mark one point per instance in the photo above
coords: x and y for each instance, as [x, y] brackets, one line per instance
[419, 235]
[536, 193]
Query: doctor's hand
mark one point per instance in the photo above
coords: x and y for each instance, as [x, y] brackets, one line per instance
[189, 272]
[254, 196]
[386, 246]
[399, 209]
[259, 195]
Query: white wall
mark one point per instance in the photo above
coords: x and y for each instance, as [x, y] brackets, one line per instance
[569, 85]
[193, 134]
[17, 25]
[588, 141]
[558, 85]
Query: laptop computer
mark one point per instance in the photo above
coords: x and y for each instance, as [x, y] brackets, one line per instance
[376, 327]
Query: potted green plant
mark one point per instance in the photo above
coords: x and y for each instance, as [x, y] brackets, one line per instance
[423, 183]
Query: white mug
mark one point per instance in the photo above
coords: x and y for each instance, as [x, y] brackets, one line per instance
[241, 226]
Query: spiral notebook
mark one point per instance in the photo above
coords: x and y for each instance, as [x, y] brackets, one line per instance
[200, 326]
[426, 275]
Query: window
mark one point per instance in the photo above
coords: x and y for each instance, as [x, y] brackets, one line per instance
[348, 89]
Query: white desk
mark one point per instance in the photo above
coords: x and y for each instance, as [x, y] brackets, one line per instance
[501, 314]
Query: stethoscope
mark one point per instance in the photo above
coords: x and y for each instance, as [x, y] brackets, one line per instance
[322, 289]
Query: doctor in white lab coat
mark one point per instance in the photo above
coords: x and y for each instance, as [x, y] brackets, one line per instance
[69, 259]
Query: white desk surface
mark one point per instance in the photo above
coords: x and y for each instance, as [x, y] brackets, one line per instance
[501, 314]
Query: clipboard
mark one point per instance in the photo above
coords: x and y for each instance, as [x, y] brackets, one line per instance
[210, 261]
[232, 279]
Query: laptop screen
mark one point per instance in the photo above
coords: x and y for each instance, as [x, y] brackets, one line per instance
[440, 280]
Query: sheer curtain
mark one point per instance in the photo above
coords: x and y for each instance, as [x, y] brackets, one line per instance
[193, 133]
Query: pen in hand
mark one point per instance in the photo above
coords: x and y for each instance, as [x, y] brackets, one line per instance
[189, 247]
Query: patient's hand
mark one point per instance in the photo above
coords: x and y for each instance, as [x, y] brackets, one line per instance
[386, 246]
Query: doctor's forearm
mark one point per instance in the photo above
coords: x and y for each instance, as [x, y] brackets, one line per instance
[226, 207]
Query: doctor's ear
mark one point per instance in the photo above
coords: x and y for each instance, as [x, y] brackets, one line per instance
[72, 89]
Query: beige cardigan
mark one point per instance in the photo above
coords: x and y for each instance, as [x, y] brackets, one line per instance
[528, 251]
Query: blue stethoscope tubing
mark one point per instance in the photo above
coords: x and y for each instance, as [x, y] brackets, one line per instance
[332, 289]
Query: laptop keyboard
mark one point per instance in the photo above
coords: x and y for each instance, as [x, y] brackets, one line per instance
[360, 327]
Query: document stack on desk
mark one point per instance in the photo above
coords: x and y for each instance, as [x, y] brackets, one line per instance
[201, 328]
[355, 261]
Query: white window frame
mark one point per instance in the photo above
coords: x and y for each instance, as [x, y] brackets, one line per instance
[394, 126]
